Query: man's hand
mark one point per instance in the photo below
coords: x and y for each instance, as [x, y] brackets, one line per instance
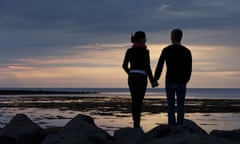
[154, 84]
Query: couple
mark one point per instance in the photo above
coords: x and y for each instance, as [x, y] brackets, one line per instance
[179, 67]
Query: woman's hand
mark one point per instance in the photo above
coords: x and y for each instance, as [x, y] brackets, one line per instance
[154, 84]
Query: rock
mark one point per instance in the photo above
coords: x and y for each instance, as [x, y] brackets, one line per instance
[51, 130]
[21, 130]
[189, 133]
[128, 135]
[80, 129]
[83, 130]
[233, 135]
[192, 127]
[7, 140]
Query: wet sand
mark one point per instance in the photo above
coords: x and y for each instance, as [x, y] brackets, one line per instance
[110, 105]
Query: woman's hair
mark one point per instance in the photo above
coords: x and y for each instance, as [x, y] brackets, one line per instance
[138, 36]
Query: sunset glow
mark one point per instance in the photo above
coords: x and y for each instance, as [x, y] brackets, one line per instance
[64, 48]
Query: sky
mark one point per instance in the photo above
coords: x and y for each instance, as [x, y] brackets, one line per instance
[81, 43]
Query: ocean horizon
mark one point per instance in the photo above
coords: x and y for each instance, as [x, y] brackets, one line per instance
[198, 93]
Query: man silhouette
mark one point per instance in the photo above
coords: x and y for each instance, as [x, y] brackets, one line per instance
[179, 68]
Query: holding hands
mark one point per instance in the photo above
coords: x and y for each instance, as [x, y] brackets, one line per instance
[154, 84]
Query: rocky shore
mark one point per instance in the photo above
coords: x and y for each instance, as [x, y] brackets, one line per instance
[83, 130]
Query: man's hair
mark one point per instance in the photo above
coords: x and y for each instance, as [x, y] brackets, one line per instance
[177, 34]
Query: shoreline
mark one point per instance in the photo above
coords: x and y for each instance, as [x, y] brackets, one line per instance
[112, 113]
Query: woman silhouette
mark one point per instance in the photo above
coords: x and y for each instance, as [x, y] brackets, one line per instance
[138, 71]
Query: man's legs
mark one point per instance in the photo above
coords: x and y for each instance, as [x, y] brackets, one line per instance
[170, 90]
[181, 93]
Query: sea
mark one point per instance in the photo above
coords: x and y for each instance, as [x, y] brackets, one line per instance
[193, 93]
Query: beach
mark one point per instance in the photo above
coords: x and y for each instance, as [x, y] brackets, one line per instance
[112, 112]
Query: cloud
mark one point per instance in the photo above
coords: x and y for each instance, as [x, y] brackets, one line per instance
[108, 16]
[113, 17]
[96, 55]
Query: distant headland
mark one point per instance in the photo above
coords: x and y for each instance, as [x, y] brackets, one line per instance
[35, 92]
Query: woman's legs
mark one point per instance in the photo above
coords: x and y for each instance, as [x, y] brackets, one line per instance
[137, 85]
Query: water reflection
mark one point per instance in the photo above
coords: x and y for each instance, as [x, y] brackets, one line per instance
[111, 122]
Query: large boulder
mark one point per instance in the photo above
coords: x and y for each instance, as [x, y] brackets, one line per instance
[80, 130]
[20, 130]
[128, 135]
[233, 135]
[189, 133]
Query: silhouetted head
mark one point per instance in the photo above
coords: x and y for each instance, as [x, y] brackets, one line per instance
[176, 36]
[139, 36]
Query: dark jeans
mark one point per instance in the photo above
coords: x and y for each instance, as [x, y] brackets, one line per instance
[178, 89]
[137, 85]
